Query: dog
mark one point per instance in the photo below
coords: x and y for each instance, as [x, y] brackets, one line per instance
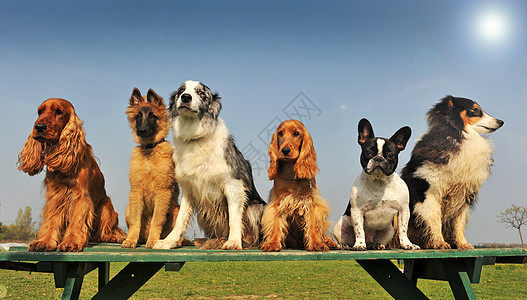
[77, 209]
[153, 206]
[296, 216]
[377, 196]
[216, 181]
[448, 166]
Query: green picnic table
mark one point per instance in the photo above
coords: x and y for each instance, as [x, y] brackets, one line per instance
[460, 268]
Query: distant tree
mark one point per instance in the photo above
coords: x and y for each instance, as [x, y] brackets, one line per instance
[24, 228]
[515, 217]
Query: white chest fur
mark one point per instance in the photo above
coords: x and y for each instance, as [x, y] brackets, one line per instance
[379, 200]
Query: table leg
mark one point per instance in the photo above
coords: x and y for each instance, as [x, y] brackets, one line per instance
[391, 279]
[128, 280]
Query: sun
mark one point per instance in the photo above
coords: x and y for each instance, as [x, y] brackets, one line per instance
[492, 26]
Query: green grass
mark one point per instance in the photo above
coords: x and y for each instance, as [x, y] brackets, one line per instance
[270, 280]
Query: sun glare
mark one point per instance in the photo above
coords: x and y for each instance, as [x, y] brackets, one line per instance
[492, 26]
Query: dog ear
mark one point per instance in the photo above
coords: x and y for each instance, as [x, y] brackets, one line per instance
[31, 158]
[273, 157]
[401, 137]
[154, 98]
[306, 163]
[136, 97]
[365, 131]
[70, 149]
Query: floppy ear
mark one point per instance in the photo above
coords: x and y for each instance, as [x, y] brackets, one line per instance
[306, 163]
[70, 149]
[401, 137]
[365, 131]
[136, 97]
[31, 158]
[273, 150]
[153, 98]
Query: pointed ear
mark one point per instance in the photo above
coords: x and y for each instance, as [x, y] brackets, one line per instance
[70, 149]
[365, 131]
[306, 163]
[154, 98]
[30, 158]
[273, 157]
[401, 137]
[136, 97]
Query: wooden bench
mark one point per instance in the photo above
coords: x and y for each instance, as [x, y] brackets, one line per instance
[460, 268]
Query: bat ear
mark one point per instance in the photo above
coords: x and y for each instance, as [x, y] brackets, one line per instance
[401, 137]
[136, 97]
[365, 131]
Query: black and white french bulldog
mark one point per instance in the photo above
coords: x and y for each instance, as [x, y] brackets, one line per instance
[377, 196]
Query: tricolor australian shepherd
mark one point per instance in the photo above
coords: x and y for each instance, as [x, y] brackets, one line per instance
[216, 180]
[448, 166]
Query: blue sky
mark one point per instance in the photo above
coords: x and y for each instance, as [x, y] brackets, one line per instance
[388, 61]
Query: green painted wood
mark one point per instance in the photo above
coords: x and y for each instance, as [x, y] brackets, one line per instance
[104, 274]
[73, 283]
[460, 282]
[128, 280]
[391, 279]
[114, 253]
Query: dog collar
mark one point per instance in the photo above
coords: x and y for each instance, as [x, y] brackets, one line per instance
[150, 146]
[300, 179]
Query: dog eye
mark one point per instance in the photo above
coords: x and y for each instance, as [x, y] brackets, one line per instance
[296, 133]
[201, 94]
[58, 112]
[391, 155]
[139, 116]
[476, 110]
[151, 116]
[280, 133]
[39, 112]
[369, 153]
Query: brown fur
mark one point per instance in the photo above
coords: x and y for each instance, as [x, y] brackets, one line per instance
[77, 209]
[296, 216]
[153, 207]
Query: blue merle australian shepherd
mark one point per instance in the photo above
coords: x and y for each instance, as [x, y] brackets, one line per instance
[216, 180]
[449, 164]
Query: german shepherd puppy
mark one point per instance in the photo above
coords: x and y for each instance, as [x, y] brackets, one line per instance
[153, 207]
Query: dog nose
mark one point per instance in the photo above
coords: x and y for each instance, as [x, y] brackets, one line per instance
[500, 123]
[378, 159]
[40, 127]
[186, 98]
[286, 151]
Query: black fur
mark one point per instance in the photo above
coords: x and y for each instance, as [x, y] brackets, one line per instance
[442, 140]
[241, 169]
[146, 122]
[210, 102]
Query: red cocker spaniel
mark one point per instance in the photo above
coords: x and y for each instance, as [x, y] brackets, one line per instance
[296, 216]
[77, 209]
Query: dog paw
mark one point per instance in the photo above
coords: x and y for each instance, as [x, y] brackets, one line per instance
[331, 244]
[42, 246]
[165, 244]
[379, 246]
[359, 247]
[464, 246]
[271, 247]
[232, 245]
[441, 245]
[410, 247]
[317, 247]
[150, 244]
[129, 244]
[70, 247]
[344, 247]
